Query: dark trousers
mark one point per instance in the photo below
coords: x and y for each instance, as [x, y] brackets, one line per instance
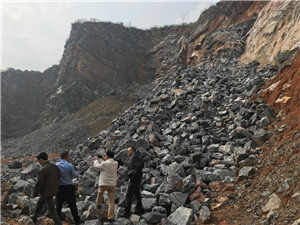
[66, 193]
[53, 214]
[134, 189]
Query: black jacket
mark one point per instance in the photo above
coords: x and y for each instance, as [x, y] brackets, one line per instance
[47, 184]
[135, 168]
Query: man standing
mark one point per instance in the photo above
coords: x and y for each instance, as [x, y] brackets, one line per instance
[135, 173]
[47, 187]
[66, 190]
[107, 182]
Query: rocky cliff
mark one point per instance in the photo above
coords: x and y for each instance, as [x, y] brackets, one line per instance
[212, 33]
[24, 96]
[274, 38]
[211, 123]
[100, 60]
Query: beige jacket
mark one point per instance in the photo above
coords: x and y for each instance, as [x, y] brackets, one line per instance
[108, 172]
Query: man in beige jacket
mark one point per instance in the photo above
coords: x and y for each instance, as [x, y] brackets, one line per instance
[107, 181]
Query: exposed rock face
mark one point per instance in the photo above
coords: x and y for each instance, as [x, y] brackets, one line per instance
[227, 42]
[100, 60]
[223, 15]
[23, 99]
[105, 59]
[274, 38]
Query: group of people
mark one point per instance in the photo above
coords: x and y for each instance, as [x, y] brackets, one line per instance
[57, 180]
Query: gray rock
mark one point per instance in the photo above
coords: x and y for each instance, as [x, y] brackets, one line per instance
[182, 216]
[195, 205]
[174, 183]
[153, 218]
[205, 214]
[207, 176]
[92, 213]
[260, 136]
[178, 198]
[20, 185]
[148, 203]
[31, 171]
[25, 220]
[164, 200]
[246, 172]
[93, 222]
[147, 194]
[123, 221]
[14, 165]
[250, 161]
[241, 154]
[151, 187]
[188, 183]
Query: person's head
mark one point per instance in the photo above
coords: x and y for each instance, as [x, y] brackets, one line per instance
[42, 158]
[130, 151]
[65, 155]
[110, 154]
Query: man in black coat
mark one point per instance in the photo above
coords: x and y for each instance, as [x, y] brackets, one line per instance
[47, 187]
[135, 173]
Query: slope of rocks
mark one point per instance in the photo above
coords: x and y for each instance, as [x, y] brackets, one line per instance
[53, 138]
[197, 131]
[272, 197]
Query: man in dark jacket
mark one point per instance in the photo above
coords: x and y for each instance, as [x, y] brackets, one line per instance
[47, 187]
[135, 173]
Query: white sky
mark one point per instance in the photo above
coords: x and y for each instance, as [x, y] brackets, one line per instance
[33, 34]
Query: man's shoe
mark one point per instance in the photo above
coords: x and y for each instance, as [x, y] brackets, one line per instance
[34, 219]
[139, 212]
[127, 215]
[108, 220]
[78, 222]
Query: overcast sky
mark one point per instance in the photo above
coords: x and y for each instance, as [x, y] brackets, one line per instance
[34, 33]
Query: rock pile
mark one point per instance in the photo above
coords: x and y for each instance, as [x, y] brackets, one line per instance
[196, 131]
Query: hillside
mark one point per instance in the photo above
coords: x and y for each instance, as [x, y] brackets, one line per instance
[213, 108]
[277, 175]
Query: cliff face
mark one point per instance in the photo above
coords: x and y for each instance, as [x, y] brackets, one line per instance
[216, 21]
[105, 59]
[100, 60]
[24, 96]
[274, 38]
